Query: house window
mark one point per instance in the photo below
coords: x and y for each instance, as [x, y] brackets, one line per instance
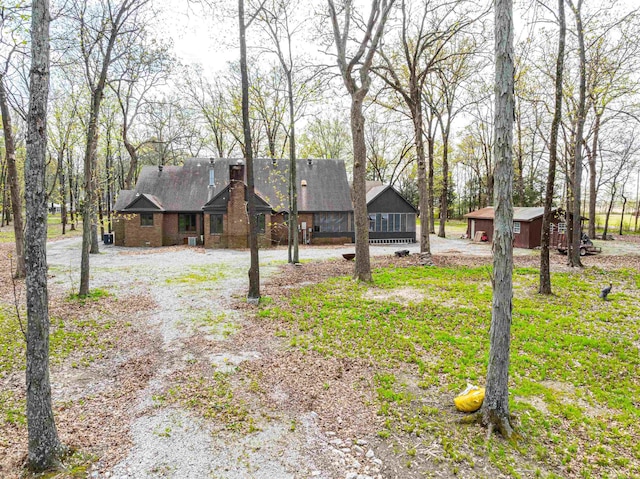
[516, 227]
[562, 228]
[146, 219]
[216, 227]
[187, 223]
[261, 222]
[332, 222]
[391, 222]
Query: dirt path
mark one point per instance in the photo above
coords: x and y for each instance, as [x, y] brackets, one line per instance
[198, 330]
[194, 291]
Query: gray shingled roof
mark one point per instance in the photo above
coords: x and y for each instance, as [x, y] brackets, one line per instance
[374, 191]
[186, 188]
[123, 199]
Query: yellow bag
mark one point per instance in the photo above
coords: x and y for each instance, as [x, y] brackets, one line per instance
[470, 399]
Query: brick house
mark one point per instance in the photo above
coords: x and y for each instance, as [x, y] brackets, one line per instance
[205, 202]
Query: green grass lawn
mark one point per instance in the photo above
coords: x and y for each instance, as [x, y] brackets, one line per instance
[628, 226]
[575, 362]
[67, 336]
[54, 230]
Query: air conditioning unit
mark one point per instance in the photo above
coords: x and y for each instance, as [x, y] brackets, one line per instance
[193, 241]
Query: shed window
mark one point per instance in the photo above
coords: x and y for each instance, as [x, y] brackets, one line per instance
[516, 227]
[562, 228]
[146, 219]
[216, 224]
[187, 223]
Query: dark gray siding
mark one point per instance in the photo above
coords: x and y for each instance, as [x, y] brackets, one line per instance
[390, 201]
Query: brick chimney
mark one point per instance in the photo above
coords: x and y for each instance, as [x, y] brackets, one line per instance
[236, 172]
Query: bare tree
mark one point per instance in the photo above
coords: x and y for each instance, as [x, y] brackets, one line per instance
[44, 444]
[102, 33]
[545, 270]
[355, 75]
[495, 408]
[11, 22]
[573, 200]
[254, 269]
[137, 74]
[282, 26]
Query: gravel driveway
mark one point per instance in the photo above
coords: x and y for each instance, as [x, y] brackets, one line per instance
[173, 442]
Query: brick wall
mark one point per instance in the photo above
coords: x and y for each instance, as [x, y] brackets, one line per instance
[238, 223]
[171, 235]
[215, 240]
[118, 229]
[137, 235]
[226, 240]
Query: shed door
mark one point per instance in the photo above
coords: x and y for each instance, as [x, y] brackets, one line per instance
[473, 228]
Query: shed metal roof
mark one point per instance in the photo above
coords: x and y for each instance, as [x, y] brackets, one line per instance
[520, 213]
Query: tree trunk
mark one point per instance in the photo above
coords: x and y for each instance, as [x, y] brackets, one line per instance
[95, 198]
[545, 268]
[133, 159]
[624, 205]
[575, 251]
[495, 408]
[592, 178]
[293, 189]
[423, 192]
[72, 196]
[520, 193]
[12, 177]
[63, 200]
[5, 196]
[254, 269]
[44, 445]
[431, 147]
[444, 198]
[87, 204]
[362, 270]
[609, 208]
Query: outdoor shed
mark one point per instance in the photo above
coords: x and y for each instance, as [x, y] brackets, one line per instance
[527, 225]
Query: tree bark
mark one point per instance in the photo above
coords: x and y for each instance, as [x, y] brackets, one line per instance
[520, 196]
[444, 198]
[254, 269]
[363, 59]
[89, 213]
[5, 196]
[592, 177]
[624, 205]
[133, 158]
[424, 192]
[495, 408]
[545, 268]
[293, 214]
[605, 231]
[430, 156]
[574, 259]
[12, 177]
[362, 270]
[44, 444]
